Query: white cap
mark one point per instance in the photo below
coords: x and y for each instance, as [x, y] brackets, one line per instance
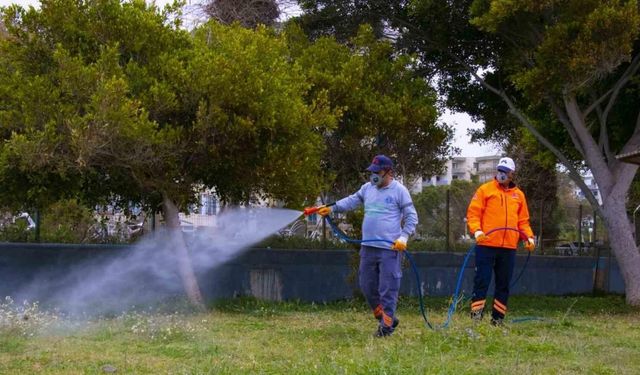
[506, 165]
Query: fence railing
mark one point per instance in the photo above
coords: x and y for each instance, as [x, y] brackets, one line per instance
[570, 229]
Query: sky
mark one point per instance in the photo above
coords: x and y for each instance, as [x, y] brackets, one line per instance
[461, 122]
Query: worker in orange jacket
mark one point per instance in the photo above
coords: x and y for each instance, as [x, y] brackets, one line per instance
[497, 204]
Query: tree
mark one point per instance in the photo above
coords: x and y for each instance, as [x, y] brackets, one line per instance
[342, 19]
[93, 108]
[384, 105]
[431, 205]
[537, 176]
[565, 71]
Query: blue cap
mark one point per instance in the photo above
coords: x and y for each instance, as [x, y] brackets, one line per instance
[379, 163]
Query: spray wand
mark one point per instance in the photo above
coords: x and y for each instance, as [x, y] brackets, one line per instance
[312, 210]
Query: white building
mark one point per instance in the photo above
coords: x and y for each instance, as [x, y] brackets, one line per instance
[461, 168]
[588, 179]
[485, 167]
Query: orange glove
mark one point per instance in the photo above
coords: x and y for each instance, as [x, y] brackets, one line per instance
[480, 236]
[400, 244]
[530, 244]
[324, 210]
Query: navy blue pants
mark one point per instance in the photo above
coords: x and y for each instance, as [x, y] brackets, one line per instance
[491, 260]
[379, 277]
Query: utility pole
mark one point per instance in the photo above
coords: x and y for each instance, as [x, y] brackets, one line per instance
[37, 229]
[540, 241]
[580, 229]
[324, 233]
[448, 219]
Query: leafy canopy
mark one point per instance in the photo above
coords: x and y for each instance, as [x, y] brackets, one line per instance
[108, 99]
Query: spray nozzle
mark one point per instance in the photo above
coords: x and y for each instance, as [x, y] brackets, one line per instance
[312, 210]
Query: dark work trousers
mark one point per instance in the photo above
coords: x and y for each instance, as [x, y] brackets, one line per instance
[379, 277]
[490, 260]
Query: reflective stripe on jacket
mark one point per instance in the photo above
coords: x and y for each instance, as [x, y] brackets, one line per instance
[493, 206]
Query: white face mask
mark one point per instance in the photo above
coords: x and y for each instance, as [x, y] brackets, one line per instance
[377, 179]
[502, 177]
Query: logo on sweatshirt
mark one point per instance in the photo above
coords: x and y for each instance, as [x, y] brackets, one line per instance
[375, 209]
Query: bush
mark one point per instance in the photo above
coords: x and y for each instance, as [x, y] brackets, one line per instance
[17, 231]
[297, 242]
[66, 221]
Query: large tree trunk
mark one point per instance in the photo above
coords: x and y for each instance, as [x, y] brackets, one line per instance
[614, 180]
[176, 239]
[623, 246]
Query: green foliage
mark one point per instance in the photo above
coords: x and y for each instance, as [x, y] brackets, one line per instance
[109, 99]
[385, 106]
[570, 43]
[568, 71]
[68, 104]
[342, 18]
[298, 242]
[431, 207]
[17, 231]
[537, 53]
[66, 221]
[112, 100]
[251, 114]
[537, 177]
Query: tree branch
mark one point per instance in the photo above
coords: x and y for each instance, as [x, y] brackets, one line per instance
[562, 116]
[573, 173]
[623, 172]
[615, 90]
[620, 84]
[634, 142]
[590, 150]
[603, 139]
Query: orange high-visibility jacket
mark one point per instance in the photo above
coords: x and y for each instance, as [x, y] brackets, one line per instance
[493, 206]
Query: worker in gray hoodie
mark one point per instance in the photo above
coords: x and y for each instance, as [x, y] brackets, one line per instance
[389, 216]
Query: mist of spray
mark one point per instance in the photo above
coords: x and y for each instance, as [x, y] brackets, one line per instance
[147, 271]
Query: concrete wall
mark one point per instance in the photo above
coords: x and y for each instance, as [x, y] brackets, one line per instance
[308, 275]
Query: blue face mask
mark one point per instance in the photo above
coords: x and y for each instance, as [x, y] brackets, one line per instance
[502, 177]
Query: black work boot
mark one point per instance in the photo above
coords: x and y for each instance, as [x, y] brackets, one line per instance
[476, 315]
[497, 318]
[384, 331]
[395, 323]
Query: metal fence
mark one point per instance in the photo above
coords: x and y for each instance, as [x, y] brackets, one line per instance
[565, 229]
[570, 229]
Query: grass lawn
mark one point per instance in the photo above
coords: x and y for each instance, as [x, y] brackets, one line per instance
[593, 335]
